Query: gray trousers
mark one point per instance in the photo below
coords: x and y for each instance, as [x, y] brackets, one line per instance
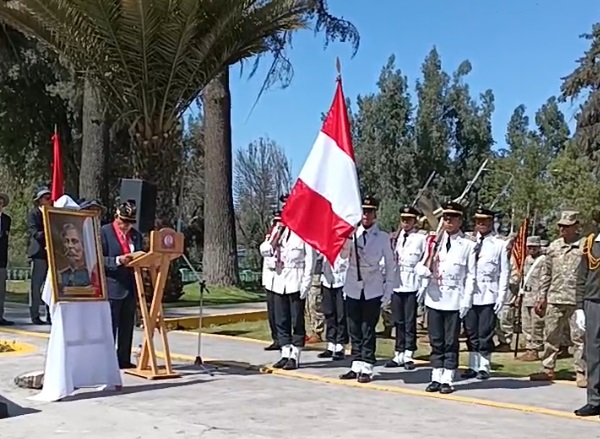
[39, 269]
[3, 274]
[592, 350]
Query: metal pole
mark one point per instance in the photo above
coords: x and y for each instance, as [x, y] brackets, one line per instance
[202, 286]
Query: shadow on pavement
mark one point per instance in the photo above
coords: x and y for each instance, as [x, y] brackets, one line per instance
[15, 409]
[136, 388]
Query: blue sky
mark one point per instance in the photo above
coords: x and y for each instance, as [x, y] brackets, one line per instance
[518, 48]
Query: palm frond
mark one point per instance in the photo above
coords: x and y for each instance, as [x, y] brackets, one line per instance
[152, 58]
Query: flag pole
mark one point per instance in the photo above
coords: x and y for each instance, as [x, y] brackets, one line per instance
[338, 68]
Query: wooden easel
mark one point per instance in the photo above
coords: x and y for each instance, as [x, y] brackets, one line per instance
[165, 246]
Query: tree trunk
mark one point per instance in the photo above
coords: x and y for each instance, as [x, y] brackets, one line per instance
[93, 181]
[219, 261]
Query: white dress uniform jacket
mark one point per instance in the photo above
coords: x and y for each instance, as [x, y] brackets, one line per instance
[493, 271]
[268, 272]
[334, 276]
[376, 264]
[268, 267]
[294, 260]
[408, 254]
[451, 282]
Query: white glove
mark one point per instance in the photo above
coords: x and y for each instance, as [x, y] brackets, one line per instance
[580, 319]
[421, 296]
[498, 306]
[463, 312]
[304, 294]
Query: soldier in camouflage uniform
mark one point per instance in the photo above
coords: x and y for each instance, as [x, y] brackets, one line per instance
[315, 317]
[504, 323]
[533, 325]
[557, 300]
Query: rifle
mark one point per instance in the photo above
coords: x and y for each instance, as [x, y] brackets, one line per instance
[436, 240]
[394, 237]
[502, 193]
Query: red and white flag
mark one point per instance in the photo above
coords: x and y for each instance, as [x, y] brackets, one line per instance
[324, 205]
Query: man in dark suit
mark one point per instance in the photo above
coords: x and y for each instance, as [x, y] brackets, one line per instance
[5, 222]
[119, 240]
[36, 251]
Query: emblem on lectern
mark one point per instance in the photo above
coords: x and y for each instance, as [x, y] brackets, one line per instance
[168, 241]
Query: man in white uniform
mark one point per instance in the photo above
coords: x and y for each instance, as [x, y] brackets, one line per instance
[294, 260]
[367, 287]
[334, 308]
[492, 279]
[410, 249]
[449, 276]
[268, 274]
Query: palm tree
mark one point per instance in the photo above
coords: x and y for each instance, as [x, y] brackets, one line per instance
[150, 59]
[220, 252]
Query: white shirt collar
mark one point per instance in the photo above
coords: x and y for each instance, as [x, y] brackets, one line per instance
[371, 230]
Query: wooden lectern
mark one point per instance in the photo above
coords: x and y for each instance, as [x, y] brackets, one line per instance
[165, 246]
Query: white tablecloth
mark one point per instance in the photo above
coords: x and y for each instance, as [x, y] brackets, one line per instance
[81, 350]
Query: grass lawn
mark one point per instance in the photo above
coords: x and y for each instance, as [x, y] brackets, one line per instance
[217, 296]
[503, 363]
[18, 292]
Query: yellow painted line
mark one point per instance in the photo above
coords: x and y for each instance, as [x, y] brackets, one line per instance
[20, 348]
[250, 340]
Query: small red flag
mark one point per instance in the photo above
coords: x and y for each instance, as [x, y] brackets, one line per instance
[58, 181]
[519, 250]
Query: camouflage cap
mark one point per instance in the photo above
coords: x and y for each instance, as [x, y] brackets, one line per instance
[568, 218]
[534, 241]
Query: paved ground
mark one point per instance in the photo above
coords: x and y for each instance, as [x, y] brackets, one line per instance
[310, 403]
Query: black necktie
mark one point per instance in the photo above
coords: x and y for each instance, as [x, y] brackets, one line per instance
[405, 238]
[364, 237]
[448, 244]
[478, 247]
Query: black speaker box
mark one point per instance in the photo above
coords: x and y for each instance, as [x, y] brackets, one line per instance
[144, 195]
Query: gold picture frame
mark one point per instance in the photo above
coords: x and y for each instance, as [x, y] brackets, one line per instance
[75, 258]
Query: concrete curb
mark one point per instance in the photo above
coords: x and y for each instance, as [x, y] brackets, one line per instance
[228, 363]
[187, 323]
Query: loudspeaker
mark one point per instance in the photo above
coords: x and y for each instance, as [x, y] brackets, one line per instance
[144, 195]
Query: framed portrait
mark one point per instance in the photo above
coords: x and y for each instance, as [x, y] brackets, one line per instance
[75, 261]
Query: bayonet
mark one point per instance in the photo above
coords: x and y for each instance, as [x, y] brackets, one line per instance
[502, 193]
[424, 188]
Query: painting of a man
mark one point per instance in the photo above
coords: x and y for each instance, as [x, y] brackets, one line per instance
[76, 274]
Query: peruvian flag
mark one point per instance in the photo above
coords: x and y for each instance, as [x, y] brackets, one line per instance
[58, 181]
[324, 205]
